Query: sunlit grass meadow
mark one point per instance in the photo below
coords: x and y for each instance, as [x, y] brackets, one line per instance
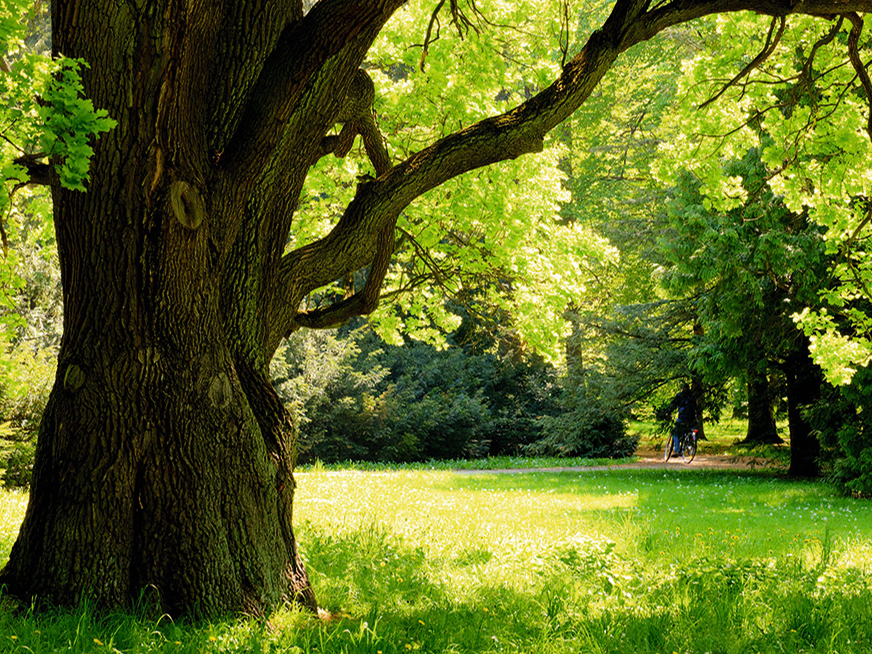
[597, 561]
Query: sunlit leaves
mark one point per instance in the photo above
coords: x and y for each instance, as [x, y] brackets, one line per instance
[496, 235]
[44, 114]
[836, 353]
[69, 122]
[804, 110]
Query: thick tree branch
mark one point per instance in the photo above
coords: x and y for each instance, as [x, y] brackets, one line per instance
[359, 119]
[377, 204]
[351, 244]
[668, 14]
[857, 63]
[362, 303]
[38, 171]
[302, 50]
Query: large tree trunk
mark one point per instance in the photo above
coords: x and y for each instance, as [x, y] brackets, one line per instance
[761, 416]
[803, 388]
[162, 462]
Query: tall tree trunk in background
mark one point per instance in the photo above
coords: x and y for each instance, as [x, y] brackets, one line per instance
[804, 381]
[698, 390]
[761, 415]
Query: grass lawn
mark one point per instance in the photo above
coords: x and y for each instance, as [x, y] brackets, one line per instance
[678, 561]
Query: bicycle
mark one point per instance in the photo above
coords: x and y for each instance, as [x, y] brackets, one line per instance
[686, 446]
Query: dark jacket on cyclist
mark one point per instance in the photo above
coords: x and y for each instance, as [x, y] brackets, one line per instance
[685, 402]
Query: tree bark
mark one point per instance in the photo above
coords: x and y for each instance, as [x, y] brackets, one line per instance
[761, 416]
[803, 388]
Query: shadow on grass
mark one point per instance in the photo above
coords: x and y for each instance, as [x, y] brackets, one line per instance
[583, 598]
[387, 597]
[620, 479]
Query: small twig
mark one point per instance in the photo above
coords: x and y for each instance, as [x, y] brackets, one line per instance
[826, 40]
[767, 51]
[564, 33]
[428, 37]
[5, 240]
[857, 63]
[458, 18]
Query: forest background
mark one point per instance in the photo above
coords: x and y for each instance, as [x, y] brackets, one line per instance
[706, 222]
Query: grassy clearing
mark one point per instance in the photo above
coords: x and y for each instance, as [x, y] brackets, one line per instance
[601, 561]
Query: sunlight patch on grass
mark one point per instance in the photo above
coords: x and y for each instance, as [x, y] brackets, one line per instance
[618, 561]
[13, 504]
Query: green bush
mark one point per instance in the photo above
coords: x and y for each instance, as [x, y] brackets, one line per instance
[592, 430]
[843, 423]
[358, 398]
[30, 330]
[16, 460]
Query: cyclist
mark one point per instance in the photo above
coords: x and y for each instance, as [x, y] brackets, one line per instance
[685, 402]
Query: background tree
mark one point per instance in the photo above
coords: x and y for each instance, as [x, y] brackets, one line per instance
[749, 270]
[165, 457]
[804, 103]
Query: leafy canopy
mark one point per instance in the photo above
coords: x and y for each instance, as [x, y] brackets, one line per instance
[801, 105]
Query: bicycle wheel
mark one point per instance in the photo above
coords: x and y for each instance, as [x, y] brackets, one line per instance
[667, 452]
[688, 448]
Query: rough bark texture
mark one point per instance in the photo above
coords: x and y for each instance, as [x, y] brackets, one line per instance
[804, 382]
[761, 413]
[165, 459]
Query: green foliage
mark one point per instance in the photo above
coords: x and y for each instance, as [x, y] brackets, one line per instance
[590, 430]
[747, 270]
[844, 425]
[69, 123]
[640, 351]
[358, 398]
[804, 110]
[591, 425]
[30, 329]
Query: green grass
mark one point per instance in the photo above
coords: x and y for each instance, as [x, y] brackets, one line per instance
[611, 561]
[489, 463]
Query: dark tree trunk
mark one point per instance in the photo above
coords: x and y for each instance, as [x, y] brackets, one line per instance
[164, 460]
[761, 416]
[803, 388]
[698, 390]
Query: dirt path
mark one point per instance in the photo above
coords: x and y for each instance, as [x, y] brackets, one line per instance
[648, 459]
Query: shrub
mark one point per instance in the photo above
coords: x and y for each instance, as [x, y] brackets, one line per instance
[593, 423]
[16, 460]
[844, 428]
[590, 430]
[357, 398]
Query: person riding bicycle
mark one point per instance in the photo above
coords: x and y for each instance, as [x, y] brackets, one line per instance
[685, 402]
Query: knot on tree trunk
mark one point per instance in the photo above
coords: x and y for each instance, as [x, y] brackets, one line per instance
[187, 204]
